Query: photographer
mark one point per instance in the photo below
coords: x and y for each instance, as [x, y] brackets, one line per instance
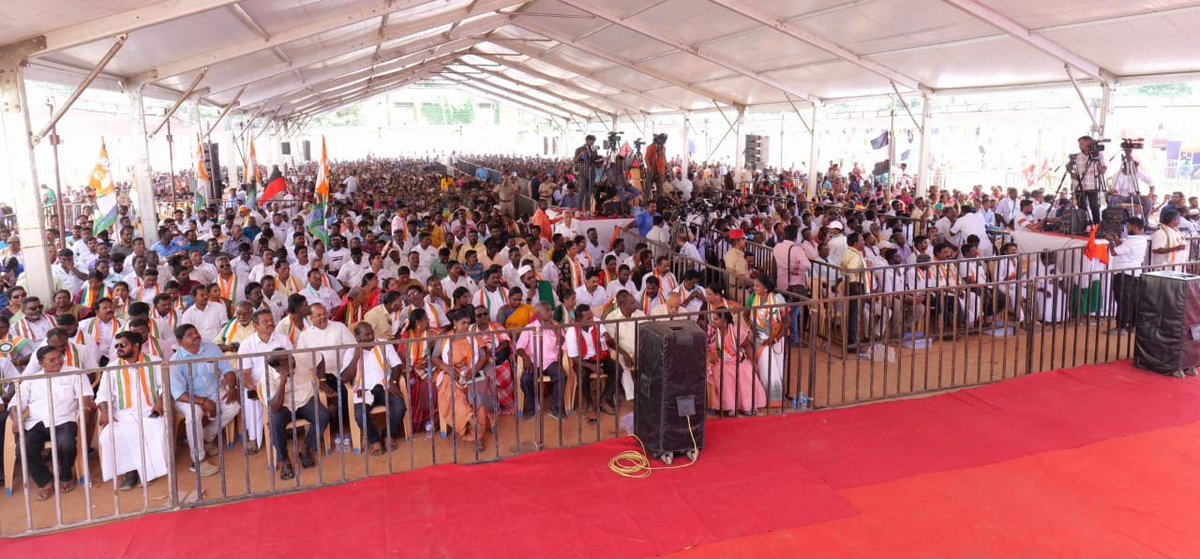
[587, 171]
[1128, 256]
[1087, 172]
[656, 167]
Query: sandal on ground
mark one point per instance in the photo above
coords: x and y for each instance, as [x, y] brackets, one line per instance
[45, 493]
[286, 472]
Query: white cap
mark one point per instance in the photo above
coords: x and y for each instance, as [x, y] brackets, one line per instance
[837, 225]
[523, 270]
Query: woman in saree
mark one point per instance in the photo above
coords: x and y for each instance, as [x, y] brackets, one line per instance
[732, 385]
[465, 392]
[769, 327]
[497, 344]
[414, 351]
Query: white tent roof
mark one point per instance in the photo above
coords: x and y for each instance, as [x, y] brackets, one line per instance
[580, 59]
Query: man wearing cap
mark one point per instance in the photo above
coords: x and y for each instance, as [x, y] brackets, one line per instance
[836, 242]
[506, 192]
[735, 259]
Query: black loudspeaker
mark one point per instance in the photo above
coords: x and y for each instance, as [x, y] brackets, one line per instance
[671, 388]
[1113, 214]
[1075, 222]
[306, 150]
[285, 148]
[1168, 322]
[212, 154]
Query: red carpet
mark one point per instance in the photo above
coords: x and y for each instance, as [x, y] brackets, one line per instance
[975, 470]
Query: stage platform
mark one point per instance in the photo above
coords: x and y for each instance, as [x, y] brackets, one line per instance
[1094, 461]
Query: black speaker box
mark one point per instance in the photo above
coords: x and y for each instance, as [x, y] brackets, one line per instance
[285, 148]
[671, 388]
[306, 150]
[1113, 214]
[212, 154]
[1168, 322]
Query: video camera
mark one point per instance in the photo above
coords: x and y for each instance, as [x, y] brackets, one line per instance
[1132, 143]
[612, 142]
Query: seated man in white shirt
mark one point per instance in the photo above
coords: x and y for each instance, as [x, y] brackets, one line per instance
[209, 318]
[317, 292]
[587, 353]
[591, 293]
[132, 437]
[34, 403]
[291, 387]
[374, 374]
[254, 371]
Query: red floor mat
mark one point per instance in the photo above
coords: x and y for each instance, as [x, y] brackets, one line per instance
[754, 476]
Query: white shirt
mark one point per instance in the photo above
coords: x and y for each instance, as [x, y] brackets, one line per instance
[1130, 254]
[335, 259]
[1166, 237]
[254, 344]
[1123, 183]
[351, 274]
[98, 336]
[208, 321]
[615, 286]
[334, 334]
[490, 300]
[971, 224]
[594, 300]
[450, 286]
[571, 342]
[278, 305]
[65, 391]
[80, 356]
[372, 373]
[204, 273]
[324, 296]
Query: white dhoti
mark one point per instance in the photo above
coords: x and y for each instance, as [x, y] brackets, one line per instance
[132, 443]
[252, 416]
[1051, 307]
[770, 366]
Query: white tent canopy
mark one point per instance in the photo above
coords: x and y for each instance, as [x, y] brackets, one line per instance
[580, 59]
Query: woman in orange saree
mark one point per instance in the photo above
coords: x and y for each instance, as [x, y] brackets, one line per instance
[465, 393]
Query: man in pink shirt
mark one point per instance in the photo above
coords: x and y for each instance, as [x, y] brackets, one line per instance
[791, 268]
[541, 355]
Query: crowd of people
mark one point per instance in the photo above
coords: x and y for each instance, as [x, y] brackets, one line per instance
[432, 293]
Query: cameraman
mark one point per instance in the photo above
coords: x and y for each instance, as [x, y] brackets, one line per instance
[1127, 184]
[656, 167]
[1087, 172]
[586, 171]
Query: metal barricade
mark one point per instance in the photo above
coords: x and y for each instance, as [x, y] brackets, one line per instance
[481, 394]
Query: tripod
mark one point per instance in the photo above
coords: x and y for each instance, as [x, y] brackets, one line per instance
[1129, 168]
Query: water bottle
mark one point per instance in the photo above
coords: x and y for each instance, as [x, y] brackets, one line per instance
[801, 403]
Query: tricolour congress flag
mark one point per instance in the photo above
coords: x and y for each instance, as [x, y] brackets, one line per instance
[202, 178]
[254, 176]
[316, 219]
[106, 194]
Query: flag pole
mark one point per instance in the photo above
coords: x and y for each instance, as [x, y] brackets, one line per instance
[170, 164]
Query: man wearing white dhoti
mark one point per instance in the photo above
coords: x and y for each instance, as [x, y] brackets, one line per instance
[132, 433]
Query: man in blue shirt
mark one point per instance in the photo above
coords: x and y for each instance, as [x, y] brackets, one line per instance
[196, 388]
[644, 219]
[168, 244]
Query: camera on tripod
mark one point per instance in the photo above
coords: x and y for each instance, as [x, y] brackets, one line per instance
[1133, 143]
[611, 143]
[637, 145]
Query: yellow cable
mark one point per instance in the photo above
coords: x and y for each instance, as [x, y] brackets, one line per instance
[636, 465]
